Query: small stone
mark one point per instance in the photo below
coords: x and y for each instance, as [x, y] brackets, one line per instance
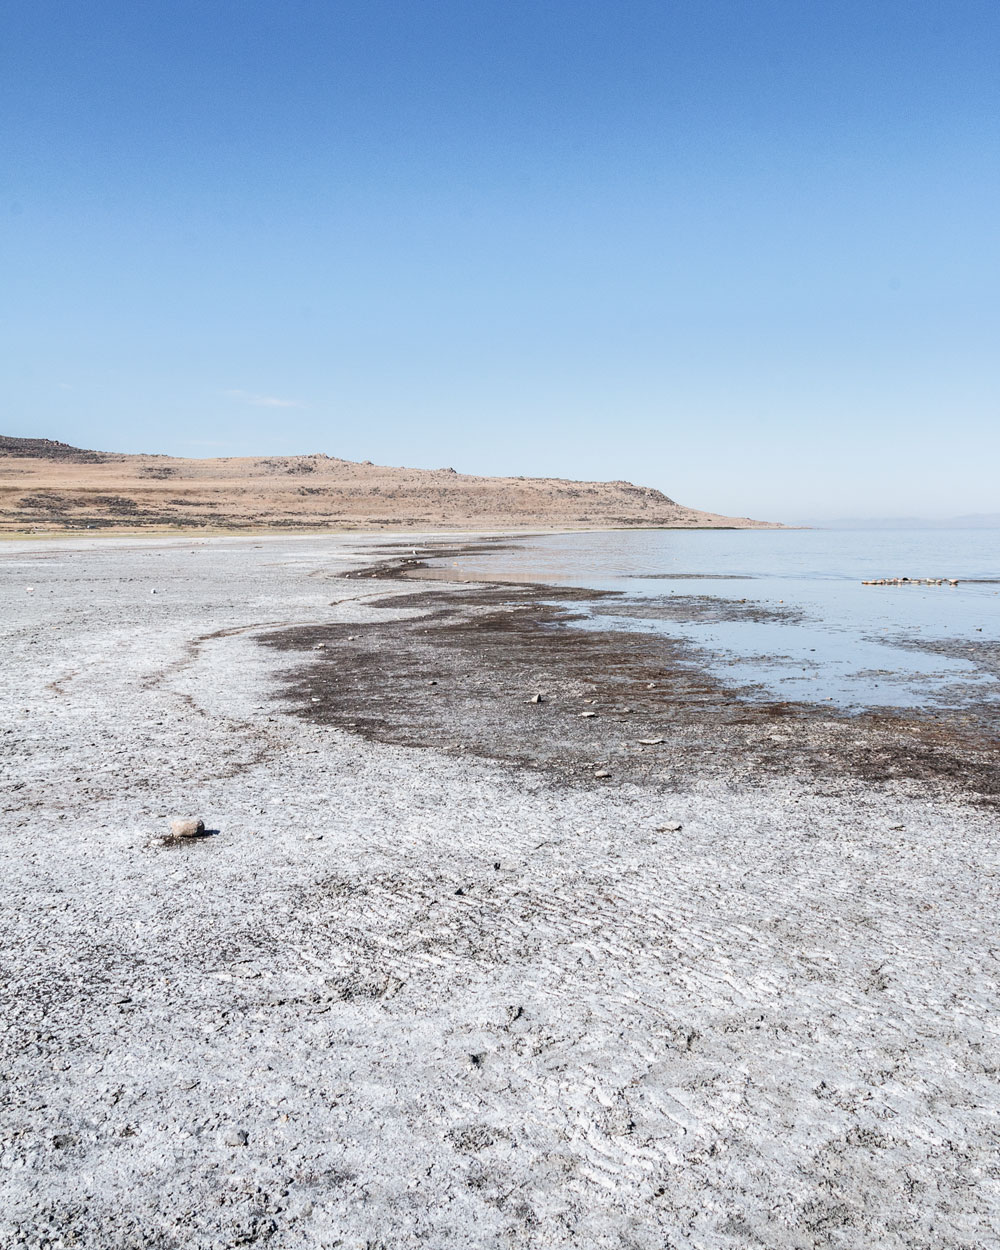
[651, 742]
[674, 826]
[233, 1137]
[585, 715]
[536, 698]
[432, 683]
[187, 827]
[602, 772]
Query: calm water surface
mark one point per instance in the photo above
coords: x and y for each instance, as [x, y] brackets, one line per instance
[855, 646]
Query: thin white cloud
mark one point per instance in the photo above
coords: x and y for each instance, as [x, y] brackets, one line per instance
[264, 401]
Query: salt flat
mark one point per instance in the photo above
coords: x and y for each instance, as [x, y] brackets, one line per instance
[405, 996]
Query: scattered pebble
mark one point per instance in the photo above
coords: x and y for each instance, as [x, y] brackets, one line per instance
[233, 1137]
[536, 698]
[651, 742]
[602, 772]
[673, 827]
[586, 714]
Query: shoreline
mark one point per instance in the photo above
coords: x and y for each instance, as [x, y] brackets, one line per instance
[387, 533]
[465, 663]
[462, 992]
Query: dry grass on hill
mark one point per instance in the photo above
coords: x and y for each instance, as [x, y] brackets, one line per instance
[50, 486]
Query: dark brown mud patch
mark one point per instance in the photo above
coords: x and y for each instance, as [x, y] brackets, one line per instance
[462, 672]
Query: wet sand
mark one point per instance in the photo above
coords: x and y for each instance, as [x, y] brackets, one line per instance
[431, 980]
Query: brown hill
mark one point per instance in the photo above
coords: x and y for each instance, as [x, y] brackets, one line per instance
[48, 485]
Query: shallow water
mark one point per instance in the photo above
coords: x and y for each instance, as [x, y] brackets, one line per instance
[837, 641]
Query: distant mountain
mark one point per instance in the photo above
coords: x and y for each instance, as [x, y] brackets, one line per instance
[974, 521]
[46, 484]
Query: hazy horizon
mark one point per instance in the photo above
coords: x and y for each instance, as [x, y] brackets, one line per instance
[940, 520]
[744, 254]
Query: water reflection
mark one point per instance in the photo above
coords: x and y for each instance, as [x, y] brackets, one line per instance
[839, 642]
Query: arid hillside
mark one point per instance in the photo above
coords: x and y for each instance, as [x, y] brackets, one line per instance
[48, 486]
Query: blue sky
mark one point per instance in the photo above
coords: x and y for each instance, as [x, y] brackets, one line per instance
[744, 252]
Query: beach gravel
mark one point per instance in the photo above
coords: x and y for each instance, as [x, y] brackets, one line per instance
[408, 997]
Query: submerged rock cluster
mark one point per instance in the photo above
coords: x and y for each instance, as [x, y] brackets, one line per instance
[911, 581]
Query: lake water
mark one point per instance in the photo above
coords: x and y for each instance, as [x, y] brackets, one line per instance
[841, 642]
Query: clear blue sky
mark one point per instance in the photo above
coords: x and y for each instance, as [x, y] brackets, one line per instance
[746, 252]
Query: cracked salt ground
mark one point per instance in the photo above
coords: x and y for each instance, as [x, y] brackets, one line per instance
[773, 1027]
